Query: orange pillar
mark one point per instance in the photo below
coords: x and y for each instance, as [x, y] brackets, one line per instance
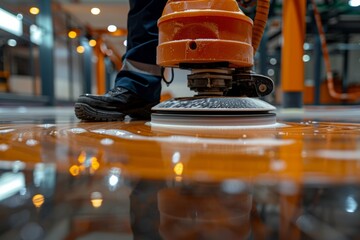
[292, 65]
[100, 68]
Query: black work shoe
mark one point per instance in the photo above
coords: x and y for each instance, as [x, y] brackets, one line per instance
[113, 106]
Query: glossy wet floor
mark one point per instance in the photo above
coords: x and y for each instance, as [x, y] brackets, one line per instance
[64, 179]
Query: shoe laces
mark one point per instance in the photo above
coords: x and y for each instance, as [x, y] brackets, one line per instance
[116, 91]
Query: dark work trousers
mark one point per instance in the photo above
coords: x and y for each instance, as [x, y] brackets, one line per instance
[139, 73]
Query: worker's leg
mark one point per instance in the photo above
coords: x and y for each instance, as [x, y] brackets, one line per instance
[138, 84]
[140, 73]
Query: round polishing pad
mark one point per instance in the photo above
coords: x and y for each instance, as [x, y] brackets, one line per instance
[213, 111]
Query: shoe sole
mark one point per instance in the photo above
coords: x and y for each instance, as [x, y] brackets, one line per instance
[85, 112]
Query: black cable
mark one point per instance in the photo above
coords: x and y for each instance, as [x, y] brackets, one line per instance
[246, 3]
[163, 76]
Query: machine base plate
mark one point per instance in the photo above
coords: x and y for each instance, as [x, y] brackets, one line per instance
[213, 111]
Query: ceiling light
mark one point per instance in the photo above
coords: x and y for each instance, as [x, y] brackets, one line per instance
[92, 43]
[125, 43]
[354, 3]
[72, 34]
[35, 34]
[80, 49]
[34, 10]
[306, 46]
[306, 58]
[271, 72]
[95, 11]
[273, 61]
[38, 200]
[12, 42]
[112, 28]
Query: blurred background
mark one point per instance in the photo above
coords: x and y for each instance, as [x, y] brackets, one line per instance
[53, 51]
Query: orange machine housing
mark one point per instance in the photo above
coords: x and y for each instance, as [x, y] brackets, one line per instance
[204, 31]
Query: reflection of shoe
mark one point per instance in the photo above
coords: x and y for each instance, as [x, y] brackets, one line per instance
[113, 106]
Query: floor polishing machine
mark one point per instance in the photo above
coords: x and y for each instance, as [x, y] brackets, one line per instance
[216, 41]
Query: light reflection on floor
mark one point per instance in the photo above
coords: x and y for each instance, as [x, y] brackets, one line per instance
[64, 179]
